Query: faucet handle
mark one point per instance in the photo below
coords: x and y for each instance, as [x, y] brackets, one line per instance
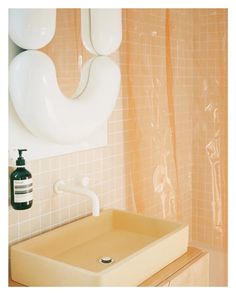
[85, 181]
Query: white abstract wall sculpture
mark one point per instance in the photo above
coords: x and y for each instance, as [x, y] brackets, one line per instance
[40, 104]
[32, 28]
[102, 33]
[46, 112]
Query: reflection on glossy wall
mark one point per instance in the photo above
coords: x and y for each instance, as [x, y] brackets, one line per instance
[167, 152]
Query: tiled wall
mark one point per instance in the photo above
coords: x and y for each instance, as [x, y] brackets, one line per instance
[158, 130]
[181, 119]
[209, 146]
[182, 48]
[104, 167]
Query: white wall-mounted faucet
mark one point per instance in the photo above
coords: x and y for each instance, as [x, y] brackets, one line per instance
[63, 186]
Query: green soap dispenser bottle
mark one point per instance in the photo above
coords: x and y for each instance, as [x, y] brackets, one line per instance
[21, 185]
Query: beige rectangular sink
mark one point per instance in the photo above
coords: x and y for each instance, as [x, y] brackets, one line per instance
[139, 246]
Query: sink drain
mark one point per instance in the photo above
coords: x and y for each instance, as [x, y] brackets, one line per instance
[105, 260]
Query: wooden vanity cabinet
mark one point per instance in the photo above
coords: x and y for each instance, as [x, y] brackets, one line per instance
[190, 270]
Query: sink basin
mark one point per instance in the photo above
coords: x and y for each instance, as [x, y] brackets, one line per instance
[118, 248]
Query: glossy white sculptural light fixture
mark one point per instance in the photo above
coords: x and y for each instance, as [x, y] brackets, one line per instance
[35, 93]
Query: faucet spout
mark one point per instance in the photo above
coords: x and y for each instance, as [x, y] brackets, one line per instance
[62, 186]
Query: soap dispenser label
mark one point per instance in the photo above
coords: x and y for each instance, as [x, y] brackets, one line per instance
[23, 190]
